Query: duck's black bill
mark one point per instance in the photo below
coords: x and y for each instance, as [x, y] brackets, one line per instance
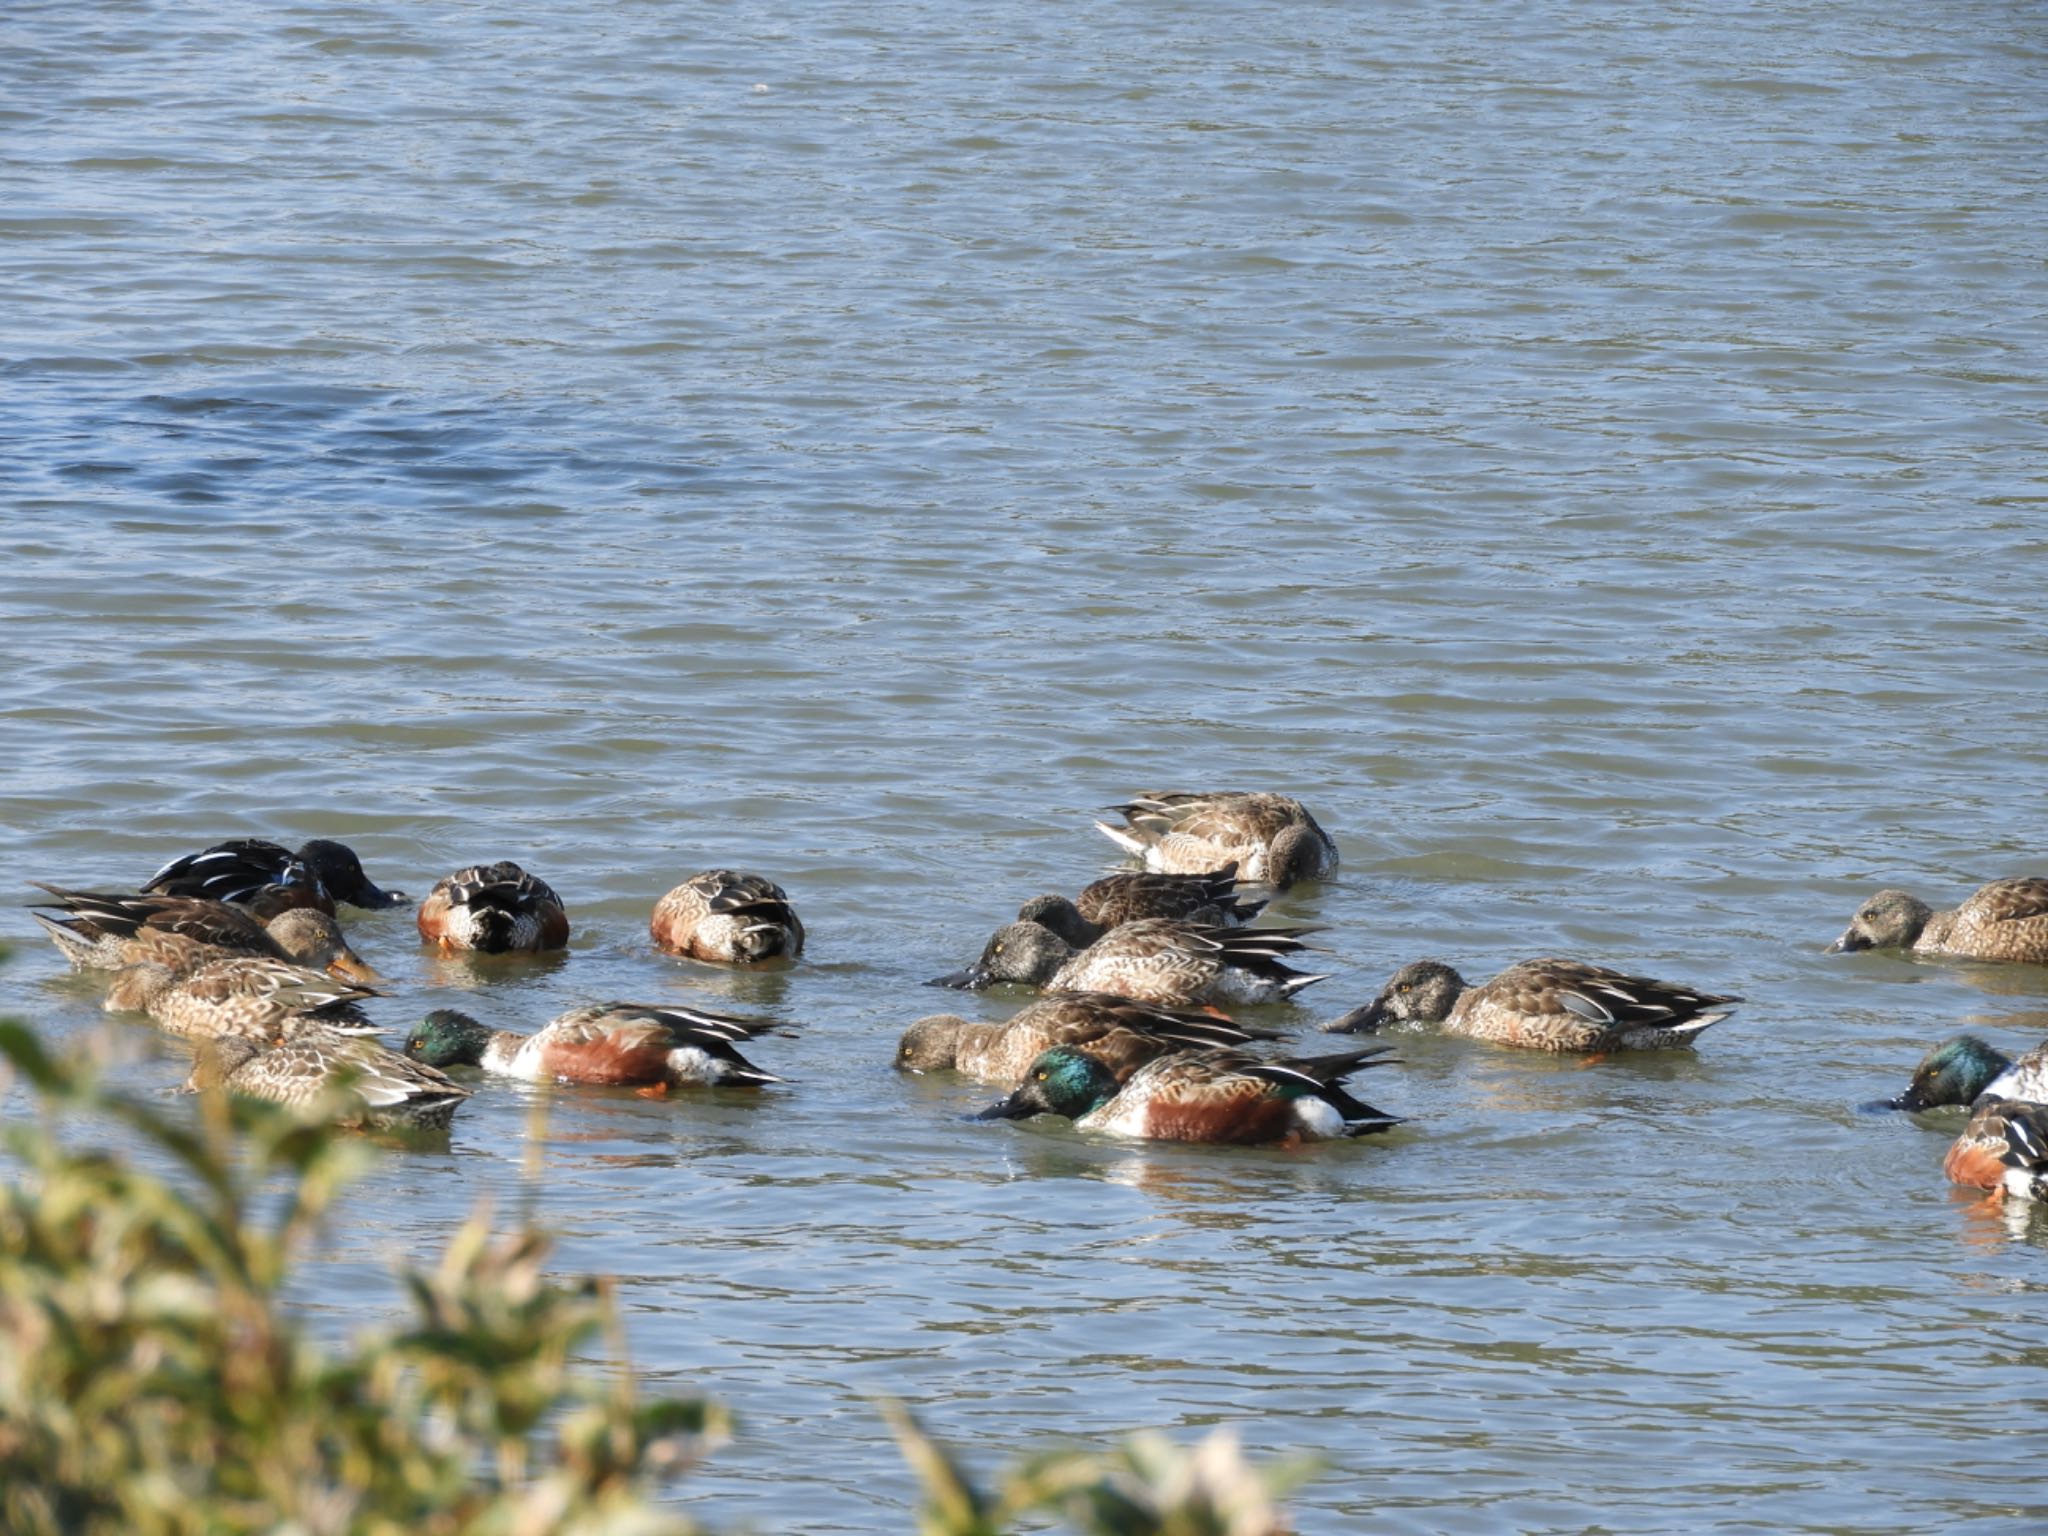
[1012, 1108]
[969, 980]
[1359, 1021]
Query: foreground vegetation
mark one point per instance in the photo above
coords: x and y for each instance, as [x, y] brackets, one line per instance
[154, 1383]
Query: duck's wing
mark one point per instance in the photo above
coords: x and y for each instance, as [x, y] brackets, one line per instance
[232, 871]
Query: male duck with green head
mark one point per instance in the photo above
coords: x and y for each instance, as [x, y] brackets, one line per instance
[1202, 1095]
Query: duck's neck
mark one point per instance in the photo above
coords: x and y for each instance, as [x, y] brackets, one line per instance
[1935, 932]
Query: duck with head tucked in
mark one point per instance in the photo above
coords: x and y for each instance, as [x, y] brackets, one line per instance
[107, 930]
[240, 995]
[620, 1044]
[1205, 1095]
[1207, 900]
[1155, 960]
[252, 871]
[1969, 1071]
[1120, 1032]
[363, 1082]
[1545, 1005]
[493, 909]
[1272, 839]
[2006, 920]
[728, 918]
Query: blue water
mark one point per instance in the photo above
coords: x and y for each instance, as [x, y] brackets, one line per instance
[1593, 456]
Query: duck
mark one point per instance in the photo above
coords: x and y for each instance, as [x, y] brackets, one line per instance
[1270, 838]
[2006, 920]
[620, 1044]
[1209, 899]
[1545, 1005]
[1967, 1070]
[107, 930]
[728, 918]
[1223, 1096]
[255, 871]
[1120, 1032]
[1155, 960]
[239, 995]
[363, 1082]
[493, 909]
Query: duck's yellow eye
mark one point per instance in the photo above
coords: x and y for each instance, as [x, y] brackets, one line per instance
[1041, 1077]
[997, 950]
[1405, 987]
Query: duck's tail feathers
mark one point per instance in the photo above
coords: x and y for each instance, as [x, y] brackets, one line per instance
[1690, 1029]
[1124, 837]
[76, 947]
[1295, 981]
[1364, 1120]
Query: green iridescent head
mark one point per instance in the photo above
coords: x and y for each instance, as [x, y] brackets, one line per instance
[447, 1038]
[1954, 1072]
[1063, 1081]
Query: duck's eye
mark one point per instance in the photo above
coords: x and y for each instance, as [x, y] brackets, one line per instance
[996, 950]
[1406, 986]
[1042, 1076]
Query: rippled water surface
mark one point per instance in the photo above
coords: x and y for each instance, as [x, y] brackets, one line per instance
[1593, 454]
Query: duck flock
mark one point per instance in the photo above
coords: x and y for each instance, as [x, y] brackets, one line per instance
[237, 950]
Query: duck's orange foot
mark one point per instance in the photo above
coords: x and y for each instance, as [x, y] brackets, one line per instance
[653, 1091]
[1593, 1060]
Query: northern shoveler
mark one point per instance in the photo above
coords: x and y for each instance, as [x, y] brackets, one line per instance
[1211, 1095]
[1155, 960]
[1545, 1005]
[1120, 1032]
[1995, 1086]
[365, 1083]
[1209, 900]
[241, 995]
[107, 930]
[607, 1043]
[1270, 838]
[494, 909]
[254, 871]
[729, 918]
[2005, 920]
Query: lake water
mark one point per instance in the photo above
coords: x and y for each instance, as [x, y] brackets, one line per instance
[1596, 456]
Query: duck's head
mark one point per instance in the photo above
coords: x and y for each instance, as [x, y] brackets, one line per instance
[931, 1044]
[1297, 854]
[1889, 920]
[135, 987]
[215, 1059]
[1422, 991]
[1954, 1072]
[1063, 1081]
[448, 1037]
[338, 869]
[310, 937]
[1062, 917]
[1023, 952]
